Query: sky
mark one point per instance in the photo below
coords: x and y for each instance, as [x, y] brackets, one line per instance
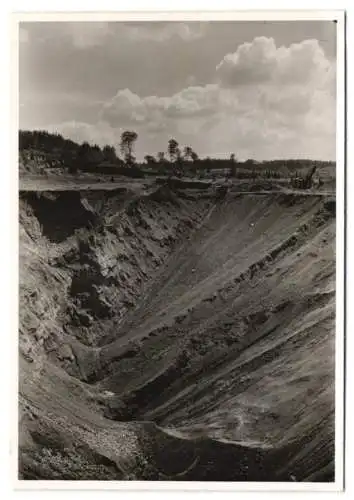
[260, 90]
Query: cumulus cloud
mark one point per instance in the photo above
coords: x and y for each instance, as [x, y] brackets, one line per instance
[252, 63]
[266, 102]
[261, 62]
[191, 102]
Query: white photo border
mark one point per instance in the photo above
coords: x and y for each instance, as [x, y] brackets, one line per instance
[244, 15]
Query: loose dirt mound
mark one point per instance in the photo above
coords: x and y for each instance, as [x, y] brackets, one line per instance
[213, 318]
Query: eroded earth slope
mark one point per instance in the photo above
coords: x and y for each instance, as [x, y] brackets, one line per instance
[175, 334]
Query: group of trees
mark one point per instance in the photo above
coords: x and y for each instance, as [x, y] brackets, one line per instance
[128, 139]
[66, 152]
[44, 141]
[176, 154]
[94, 154]
[176, 160]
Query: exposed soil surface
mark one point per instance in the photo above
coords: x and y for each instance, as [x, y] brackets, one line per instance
[173, 333]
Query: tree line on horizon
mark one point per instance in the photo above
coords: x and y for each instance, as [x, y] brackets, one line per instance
[52, 142]
[92, 158]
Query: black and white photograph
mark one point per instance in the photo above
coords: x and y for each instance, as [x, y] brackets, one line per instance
[178, 228]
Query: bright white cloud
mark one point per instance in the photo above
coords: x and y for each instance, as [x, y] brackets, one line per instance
[252, 63]
[261, 62]
[191, 102]
[268, 102]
